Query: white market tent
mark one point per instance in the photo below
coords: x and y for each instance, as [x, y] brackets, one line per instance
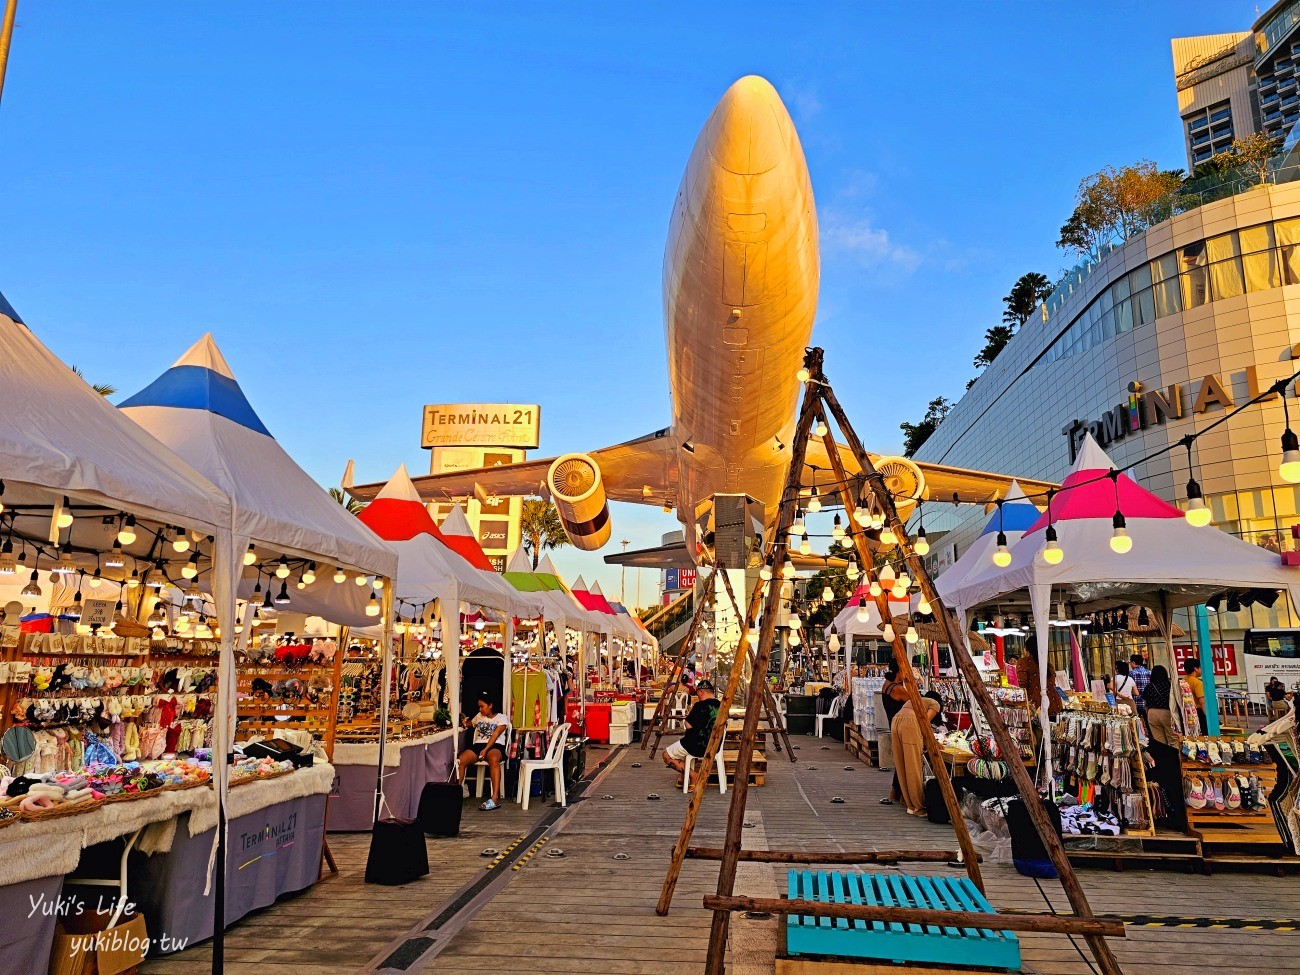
[61, 436]
[455, 532]
[1171, 564]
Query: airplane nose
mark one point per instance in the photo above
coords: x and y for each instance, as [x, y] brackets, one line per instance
[750, 130]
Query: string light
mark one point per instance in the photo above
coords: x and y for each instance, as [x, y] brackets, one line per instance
[911, 636]
[803, 375]
[852, 571]
[815, 501]
[828, 594]
[190, 569]
[133, 581]
[340, 575]
[921, 545]
[795, 639]
[1120, 542]
[282, 568]
[64, 520]
[805, 546]
[181, 543]
[33, 587]
[114, 559]
[923, 606]
[96, 580]
[887, 577]
[8, 564]
[765, 573]
[787, 570]
[379, 582]
[1289, 469]
[126, 534]
[887, 536]
[864, 612]
[1001, 554]
[309, 576]
[888, 633]
[251, 555]
[837, 531]
[361, 580]
[874, 589]
[282, 598]
[1198, 515]
[820, 429]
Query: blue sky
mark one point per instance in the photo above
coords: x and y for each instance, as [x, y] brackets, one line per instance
[378, 206]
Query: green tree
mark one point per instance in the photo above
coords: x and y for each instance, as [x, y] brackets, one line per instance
[995, 340]
[541, 528]
[1029, 291]
[1254, 154]
[352, 505]
[822, 617]
[915, 434]
[103, 389]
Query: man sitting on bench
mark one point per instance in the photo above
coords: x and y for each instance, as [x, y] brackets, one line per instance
[699, 726]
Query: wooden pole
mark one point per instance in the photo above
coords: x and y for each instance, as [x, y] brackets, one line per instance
[769, 702]
[716, 959]
[903, 658]
[701, 783]
[1094, 927]
[798, 856]
[1010, 750]
[679, 665]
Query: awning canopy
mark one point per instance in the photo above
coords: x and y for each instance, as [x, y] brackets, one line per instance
[1013, 518]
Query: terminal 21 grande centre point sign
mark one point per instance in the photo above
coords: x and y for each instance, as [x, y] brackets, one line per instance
[467, 436]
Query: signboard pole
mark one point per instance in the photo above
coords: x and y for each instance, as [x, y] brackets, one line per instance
[1206, 652]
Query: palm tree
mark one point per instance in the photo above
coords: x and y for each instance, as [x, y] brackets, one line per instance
[103, 389]
[352, 505]
[541, 528]
[1026, 295]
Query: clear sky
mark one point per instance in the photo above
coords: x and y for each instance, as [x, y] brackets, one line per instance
[376, 206]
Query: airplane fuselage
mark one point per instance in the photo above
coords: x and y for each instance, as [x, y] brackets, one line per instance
[741, 274]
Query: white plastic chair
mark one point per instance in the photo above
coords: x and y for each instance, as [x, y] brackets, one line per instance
[554, 760]
[717, 764]
[821, 720]
[481, 768]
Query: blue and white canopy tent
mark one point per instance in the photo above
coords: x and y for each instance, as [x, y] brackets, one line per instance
[199, 411]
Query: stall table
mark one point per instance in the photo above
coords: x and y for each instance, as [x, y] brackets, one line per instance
[409, 765]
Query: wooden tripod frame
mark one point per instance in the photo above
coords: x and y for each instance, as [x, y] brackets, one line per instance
[674, 683]
[818, 395]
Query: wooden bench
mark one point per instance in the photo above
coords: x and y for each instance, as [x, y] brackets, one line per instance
[897, 943]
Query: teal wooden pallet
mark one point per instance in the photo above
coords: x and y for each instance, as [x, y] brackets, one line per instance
[888, 941]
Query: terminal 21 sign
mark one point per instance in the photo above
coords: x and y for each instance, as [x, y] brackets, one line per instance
[1151, 407]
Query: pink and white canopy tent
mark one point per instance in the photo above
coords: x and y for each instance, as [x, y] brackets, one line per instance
[1171, 563]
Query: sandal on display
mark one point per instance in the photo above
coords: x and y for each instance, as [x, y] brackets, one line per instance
[1195, 792]
[1232, 798]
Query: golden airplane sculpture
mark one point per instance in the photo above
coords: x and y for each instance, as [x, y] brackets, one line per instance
[740, 282]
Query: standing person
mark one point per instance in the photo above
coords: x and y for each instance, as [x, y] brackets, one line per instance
[699, 726]
[1126, 689]
[909, 753]
[1027, 675]
[489, 745]
[893, 696]
[1156, 697]
[1192, 678]
[1141, 677]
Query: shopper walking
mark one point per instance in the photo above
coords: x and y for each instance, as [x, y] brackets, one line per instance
[1126, 689]
[1160, 720]
[1141, 677]
[909, 753]
[1192, 678]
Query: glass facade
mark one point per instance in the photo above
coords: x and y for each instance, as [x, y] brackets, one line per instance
[1277, 55]
[1209, 131]
[1254, 258]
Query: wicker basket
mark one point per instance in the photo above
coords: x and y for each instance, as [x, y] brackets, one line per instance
[124, 627]
[60, 810]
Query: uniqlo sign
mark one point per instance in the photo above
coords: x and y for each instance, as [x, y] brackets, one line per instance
[1225, 658]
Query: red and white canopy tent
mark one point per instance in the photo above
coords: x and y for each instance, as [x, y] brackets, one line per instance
[431, 568]
[1166, 564]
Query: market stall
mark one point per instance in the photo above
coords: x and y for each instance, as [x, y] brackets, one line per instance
[1105, 542]
[290, 533]
[86, 493]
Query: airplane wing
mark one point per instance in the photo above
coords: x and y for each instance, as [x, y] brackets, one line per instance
[675, 555]
[643, 471]
[940, 481]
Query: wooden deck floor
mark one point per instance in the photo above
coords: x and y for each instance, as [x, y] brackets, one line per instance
[588, 912]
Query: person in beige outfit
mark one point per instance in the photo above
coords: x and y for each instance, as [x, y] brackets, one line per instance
[909, 754]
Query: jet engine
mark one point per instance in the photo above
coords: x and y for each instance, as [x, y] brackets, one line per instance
[904, 481]
[579, 496]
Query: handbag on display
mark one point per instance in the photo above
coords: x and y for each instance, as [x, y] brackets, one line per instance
[397, 853]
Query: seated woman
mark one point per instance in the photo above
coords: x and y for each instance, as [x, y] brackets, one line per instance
[489, 745]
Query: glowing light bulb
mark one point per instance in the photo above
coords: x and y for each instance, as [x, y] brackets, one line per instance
[852, 571]
[887, 536]
[803, 375]
[181, 543]
[787, 570]
[340, 575]
[1120, 542]
[126, 534]
[1289, 469]
[911, 636]
[922, 544]
[379, 582]
[765, 573]
[96, 580]
[820, 429]
[282, 568]
[794, 621]
[361, 580]
[877, 520]
[923, 606]
[805, 546]
[888, 633]
[905, 580]
[887, 577]
[1052, 553]
[1197, 514]
[250, 556]
[862, 516]
[309, 576]
[874, 589]
[65, 514]
[191, 568]
[134, 581]
[1002, 554]
[899, 591]
[815, 502]
[828, 594]
[864, 613]
[794, 638]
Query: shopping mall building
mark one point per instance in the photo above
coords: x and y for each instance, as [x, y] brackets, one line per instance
[1197, 314]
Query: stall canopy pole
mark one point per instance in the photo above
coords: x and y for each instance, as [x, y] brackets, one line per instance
[449, 615]
[1205, 650]
[385, 694]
